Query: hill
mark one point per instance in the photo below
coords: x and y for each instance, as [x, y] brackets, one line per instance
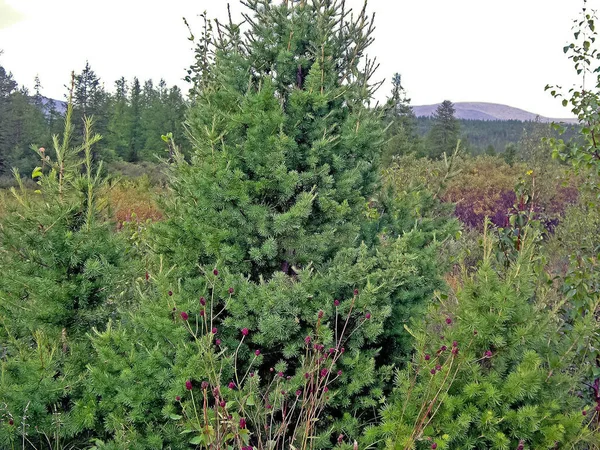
[487, 112]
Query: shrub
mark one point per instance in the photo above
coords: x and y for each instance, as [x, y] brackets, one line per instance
[63, 273]
[494, 367]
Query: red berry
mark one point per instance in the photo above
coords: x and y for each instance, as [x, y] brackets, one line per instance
[368, 316]
[178, 398]
[231, 385]
[257, 352]
[448, 320]
[434, 446]
[355, 291]
[11, 422]
[218, 342]
[214, 330]
[427, 357]
[222, 404]
[215, 272]
[245, 331]
[202, 301]
[454, 344]
[231, 290]
[188, 385]
[336, 303]
[320, 314]
[584, 412]
[298, 393]
[184, 315]
[242, 423]
[170, 293]
[432, 371]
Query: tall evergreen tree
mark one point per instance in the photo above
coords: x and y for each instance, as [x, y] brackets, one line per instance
[402, 126]
[119, 125]
[28, 127]
[510, 153]
[293, 150]
[90, 100]
[135, 130]
[7, 87]
[270, 222]
[37, 96]
[445, 132]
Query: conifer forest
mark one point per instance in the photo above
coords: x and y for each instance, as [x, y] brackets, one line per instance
[274, 260]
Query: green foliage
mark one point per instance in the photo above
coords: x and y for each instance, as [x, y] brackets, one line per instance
[401, 125]
[285, 160]
[583, 153]
[131, 120]
[445, 132]
[500, 374]
[510, 153]
[279, 203]
[63, 272]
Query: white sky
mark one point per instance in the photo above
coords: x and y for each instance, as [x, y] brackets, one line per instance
[501, 51]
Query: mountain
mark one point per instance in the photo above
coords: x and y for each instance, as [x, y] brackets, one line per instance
[48, 103]
[487, 111]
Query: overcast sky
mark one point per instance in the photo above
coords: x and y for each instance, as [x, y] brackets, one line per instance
[501, 51]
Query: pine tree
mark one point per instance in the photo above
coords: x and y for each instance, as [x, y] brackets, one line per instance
[64, 272]
[510, 153]
[7, 87]
[494, 367]
[286, 158]
[90, 100]
[444, 133]
[271, 229]
[490, 150]
[402, 125]
[37, 96]
[27, 126]
[135, 130]
[153, 119]
[119, 126]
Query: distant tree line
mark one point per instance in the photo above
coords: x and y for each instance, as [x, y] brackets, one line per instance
[433, 136]
[131, 118]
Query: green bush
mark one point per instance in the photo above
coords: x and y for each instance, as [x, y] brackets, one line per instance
[64, 272]
[494, 367]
